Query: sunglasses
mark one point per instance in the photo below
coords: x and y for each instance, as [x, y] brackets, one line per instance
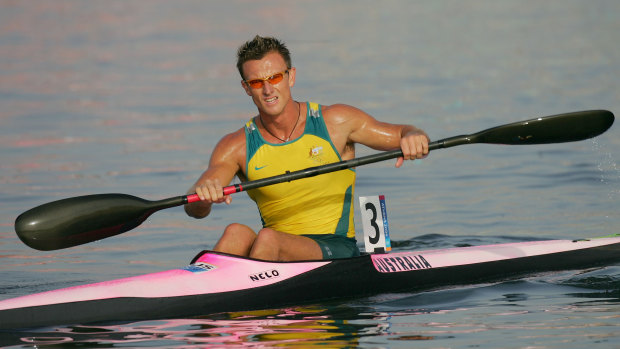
[259, 83]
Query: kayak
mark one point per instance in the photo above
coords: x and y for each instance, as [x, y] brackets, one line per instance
[216, 282]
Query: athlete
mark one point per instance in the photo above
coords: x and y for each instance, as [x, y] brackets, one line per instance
[310, 218]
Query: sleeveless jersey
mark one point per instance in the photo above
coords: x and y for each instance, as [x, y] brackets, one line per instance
[315, 205]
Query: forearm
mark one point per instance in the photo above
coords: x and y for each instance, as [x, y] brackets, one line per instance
[209, 190]
[393, 136]
[224, 164]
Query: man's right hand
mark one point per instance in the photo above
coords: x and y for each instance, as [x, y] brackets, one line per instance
[211, 191]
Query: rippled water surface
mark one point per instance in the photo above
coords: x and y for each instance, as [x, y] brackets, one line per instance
[131, 97]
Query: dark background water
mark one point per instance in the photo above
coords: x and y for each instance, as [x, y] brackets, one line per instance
[131, 97]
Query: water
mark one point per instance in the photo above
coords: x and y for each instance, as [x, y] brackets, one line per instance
[131, 97]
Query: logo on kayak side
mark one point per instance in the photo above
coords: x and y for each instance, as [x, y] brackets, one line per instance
[389, 264]
[265, 275]
[200, 267]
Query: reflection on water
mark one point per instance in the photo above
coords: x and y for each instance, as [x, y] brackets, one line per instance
[307, 327]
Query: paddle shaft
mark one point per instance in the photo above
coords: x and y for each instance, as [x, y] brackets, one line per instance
[75, 221]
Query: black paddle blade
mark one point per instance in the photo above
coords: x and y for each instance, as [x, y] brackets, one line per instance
[75, 221]
[561, 128]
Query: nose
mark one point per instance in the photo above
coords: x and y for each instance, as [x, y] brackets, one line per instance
[267, 88]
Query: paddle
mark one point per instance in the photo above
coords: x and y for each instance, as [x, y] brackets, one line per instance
[75, 221]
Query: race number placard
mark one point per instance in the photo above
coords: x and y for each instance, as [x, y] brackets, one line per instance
[375, 222]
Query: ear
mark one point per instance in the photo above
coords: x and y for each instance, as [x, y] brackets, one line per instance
[291, 77]
[246, 88]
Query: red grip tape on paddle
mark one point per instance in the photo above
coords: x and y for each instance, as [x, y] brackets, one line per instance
[227, 191]
[232, 189]
[192, 198]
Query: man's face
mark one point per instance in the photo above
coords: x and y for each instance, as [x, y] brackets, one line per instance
[269, 98]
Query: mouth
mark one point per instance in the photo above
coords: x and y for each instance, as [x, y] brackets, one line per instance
[271, 100]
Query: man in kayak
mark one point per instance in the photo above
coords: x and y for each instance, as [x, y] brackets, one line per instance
[310, 218]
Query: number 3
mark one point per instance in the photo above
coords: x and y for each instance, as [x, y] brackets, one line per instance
[373, 222]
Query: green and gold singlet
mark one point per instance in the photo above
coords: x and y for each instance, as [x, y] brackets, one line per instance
[309, 206]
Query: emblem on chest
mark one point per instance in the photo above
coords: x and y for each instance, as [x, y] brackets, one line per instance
[316, 154]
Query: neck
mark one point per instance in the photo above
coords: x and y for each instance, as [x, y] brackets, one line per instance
[282, 127]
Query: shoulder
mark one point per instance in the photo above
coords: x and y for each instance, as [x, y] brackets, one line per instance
[343, 115]
[339, 111]
[342, 121]
[230, 147]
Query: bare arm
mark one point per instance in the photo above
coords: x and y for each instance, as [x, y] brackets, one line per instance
[226, 161]
[349, 125]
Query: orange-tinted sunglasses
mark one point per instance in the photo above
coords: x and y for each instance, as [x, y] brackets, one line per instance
[259, 83]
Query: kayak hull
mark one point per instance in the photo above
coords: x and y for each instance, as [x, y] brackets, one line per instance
[216, 282]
